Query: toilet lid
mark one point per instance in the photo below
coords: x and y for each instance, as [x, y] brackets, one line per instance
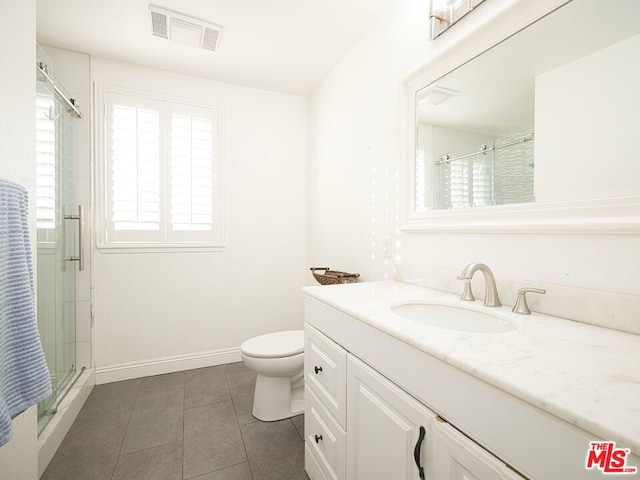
[273, 345]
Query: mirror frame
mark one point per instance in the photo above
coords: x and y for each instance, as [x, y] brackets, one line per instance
[613, 215]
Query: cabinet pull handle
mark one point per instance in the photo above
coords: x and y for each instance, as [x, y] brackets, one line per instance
[416, 452]
[317, 369]
[318, 438]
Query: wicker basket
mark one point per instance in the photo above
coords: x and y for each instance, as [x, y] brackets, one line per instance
[333, 277]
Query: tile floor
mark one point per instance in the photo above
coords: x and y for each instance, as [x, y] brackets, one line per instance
[186, 425]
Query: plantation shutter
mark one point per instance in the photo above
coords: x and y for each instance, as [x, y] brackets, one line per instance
[192, 161]
[134, 176]
[470, 182]
[161, 173]
[45, 163]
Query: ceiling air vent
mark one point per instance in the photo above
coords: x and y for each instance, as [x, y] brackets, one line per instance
[184, 29]
[159, 24]
[210, 38]
[435, 95]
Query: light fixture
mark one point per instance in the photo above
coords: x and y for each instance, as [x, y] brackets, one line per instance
[444, 13]
[184, 29]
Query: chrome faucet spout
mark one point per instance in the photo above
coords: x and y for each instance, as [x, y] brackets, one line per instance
[491, 298]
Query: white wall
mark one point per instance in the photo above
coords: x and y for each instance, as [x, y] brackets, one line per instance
[356, 117]
[156, 305]
[356, 140]
[19, 457]
[586, 112]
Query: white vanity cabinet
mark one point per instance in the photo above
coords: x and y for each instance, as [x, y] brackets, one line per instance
[325, 374]
[386, 434]
[389, 433]
[325, 371]
[456, 457]
[325, 441]
[499, 426]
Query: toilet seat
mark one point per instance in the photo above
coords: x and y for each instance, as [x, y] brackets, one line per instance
[275, 345]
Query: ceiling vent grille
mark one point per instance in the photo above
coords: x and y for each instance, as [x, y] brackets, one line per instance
[159, 24]
[436, 95]
[210, 39]
[184, 29]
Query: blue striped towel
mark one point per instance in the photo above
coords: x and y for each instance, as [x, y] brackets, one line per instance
[24, 377]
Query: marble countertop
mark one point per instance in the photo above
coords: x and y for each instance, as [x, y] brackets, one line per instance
[586, 375]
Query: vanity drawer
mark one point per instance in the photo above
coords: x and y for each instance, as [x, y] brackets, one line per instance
[325, 372]
[324, 438]
[311, 466]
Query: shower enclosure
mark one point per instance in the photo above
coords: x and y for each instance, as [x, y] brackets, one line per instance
[59, 234]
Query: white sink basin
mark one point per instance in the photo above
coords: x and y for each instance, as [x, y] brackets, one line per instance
[453, 317]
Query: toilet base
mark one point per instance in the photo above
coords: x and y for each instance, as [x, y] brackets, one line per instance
[276, 398]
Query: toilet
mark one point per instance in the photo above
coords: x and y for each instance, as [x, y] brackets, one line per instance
[278, 359]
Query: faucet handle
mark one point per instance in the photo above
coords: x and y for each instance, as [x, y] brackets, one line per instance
[467, 295]
[521, 306]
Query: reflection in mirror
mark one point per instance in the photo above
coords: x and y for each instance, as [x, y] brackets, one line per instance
[564, 89]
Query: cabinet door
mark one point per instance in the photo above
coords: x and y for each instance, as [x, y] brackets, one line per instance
[457, 457]
[384, 428]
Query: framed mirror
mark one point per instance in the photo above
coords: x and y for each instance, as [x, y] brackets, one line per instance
[530, 127]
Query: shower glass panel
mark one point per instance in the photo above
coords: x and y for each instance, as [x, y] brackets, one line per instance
[55, 241]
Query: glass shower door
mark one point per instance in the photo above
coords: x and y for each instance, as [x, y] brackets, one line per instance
[56, 242]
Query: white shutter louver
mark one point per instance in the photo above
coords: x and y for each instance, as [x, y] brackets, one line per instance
[45, 162]
[191, 176]
[135, 164]
[161, 173]
[468, 182]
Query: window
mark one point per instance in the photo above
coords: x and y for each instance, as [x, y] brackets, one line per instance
[161, 173]
[468, 182]
[45, 166]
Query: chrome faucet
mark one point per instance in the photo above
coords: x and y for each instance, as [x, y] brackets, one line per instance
[491, 298]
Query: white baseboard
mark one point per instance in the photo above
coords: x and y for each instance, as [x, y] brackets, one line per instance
[158, 366]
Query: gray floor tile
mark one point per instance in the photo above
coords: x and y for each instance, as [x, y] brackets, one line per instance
[125, 388]
[157, 463]
[157, 419]
[298, 422]
[242, 396]
[280, 457]
[238, 374]
[89, 455]
[108, 404]
[161, 383]
[205, 386]
[215, 371]
[148, 423]
[237, 472]
[212, 439]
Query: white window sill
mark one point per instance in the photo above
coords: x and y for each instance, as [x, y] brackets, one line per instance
[158, 248]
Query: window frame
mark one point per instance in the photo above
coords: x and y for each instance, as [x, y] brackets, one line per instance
[166, 241]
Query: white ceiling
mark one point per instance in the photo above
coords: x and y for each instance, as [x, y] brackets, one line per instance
[282, 45]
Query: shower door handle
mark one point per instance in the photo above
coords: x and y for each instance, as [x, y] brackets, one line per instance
[80, 218]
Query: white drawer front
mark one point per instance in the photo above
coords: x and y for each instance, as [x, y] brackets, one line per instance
[312, 466]
[325, 371]
[324, 438]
